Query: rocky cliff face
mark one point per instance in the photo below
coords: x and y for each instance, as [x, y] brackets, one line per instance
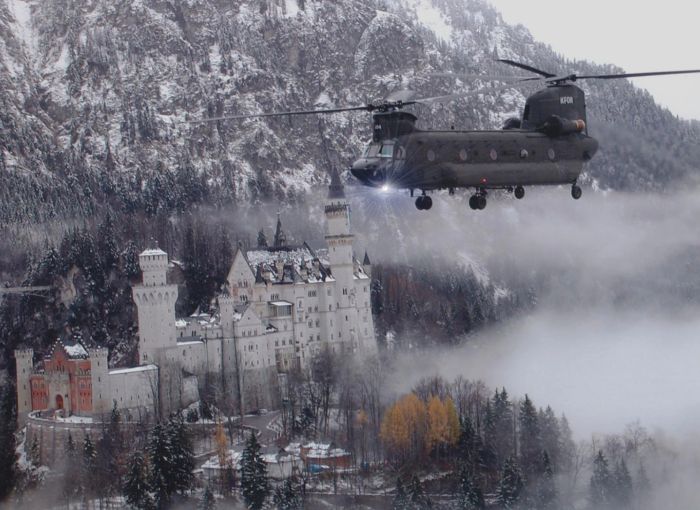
[95, 98]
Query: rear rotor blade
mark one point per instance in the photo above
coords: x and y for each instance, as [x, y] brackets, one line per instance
[526, 67]
[486, 77]
[632, 75]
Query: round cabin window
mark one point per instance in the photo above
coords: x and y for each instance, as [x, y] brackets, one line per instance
[493, 154]
[524, 154]
[551, 154]
[431, 155]
[463, 154]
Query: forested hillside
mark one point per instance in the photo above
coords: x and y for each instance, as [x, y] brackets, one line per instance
[95, 98]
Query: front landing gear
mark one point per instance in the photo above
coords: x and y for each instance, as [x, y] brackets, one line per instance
[576, 191]
[478, 200]
[424, 203]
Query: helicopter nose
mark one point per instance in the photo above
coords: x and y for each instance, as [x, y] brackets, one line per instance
[368, 173]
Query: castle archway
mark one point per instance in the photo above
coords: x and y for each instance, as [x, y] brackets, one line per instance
[59, 402]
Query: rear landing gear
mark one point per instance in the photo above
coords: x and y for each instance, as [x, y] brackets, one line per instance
[519, 192]
[576, 191]
[478, 201]
[424, 203]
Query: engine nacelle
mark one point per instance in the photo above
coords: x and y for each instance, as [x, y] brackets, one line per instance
[556, 126]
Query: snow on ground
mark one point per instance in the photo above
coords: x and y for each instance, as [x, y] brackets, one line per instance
[432, 18]
[23, 22]
[292, 8]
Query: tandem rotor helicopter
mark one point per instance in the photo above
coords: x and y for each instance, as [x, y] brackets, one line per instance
[548, 146]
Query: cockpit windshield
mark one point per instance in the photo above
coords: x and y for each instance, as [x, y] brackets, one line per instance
[371, 150]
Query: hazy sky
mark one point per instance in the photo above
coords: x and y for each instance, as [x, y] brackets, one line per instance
[637, 36]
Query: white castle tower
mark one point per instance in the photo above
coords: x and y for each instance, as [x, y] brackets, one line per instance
[99, 380]
[24, 360]
[339, 240]
[155, 301]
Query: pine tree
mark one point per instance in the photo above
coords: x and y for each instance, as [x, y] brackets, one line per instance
[285, 498]
[8, 456]
[622, 493]
[470, 496]
[87, 475]
[550, 435]
[262, 239]
[182, 463]
[107, 244]
[130, 261]
[567, 447]
[510, 487]
[254, 485]
[207, 502]
[400, 498]
[136, 488]
[601, 483]
[161, 472]
[417, 498]
[72, 471]
[530, 439]
[546, 497]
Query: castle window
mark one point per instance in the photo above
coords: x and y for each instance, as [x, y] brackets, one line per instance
[183, 352]
[328, 292]
[277, 343]
[312, 293]
[274, 297]
[315, 308]
[317, 323]
[330, 308]
[345, 292]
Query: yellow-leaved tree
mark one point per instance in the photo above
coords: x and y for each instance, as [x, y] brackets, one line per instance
[403, 428]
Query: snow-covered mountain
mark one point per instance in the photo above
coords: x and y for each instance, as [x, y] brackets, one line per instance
[96, 96]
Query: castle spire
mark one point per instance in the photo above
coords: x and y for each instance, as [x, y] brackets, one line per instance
[280, 236]
[336, 189]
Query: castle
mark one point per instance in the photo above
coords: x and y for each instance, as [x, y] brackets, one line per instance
[280, 306]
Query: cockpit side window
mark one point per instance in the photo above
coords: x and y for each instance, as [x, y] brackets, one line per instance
[387, 150]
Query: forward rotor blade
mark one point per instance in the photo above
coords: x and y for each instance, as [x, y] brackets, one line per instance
[526, 67]
[367, 108]
[633, 75]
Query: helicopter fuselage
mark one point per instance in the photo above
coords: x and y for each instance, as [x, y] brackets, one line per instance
[431, 160]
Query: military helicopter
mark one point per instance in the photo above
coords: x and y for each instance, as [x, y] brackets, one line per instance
[548, 146]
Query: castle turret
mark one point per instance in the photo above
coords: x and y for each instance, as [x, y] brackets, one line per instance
[24, 360]
[99, 381]
[367, 265]
[339, 237]
[155, 301]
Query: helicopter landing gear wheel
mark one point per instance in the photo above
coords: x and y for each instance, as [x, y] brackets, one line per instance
[424, 203]
[519, 192]
[477, 201]
[576, 192]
